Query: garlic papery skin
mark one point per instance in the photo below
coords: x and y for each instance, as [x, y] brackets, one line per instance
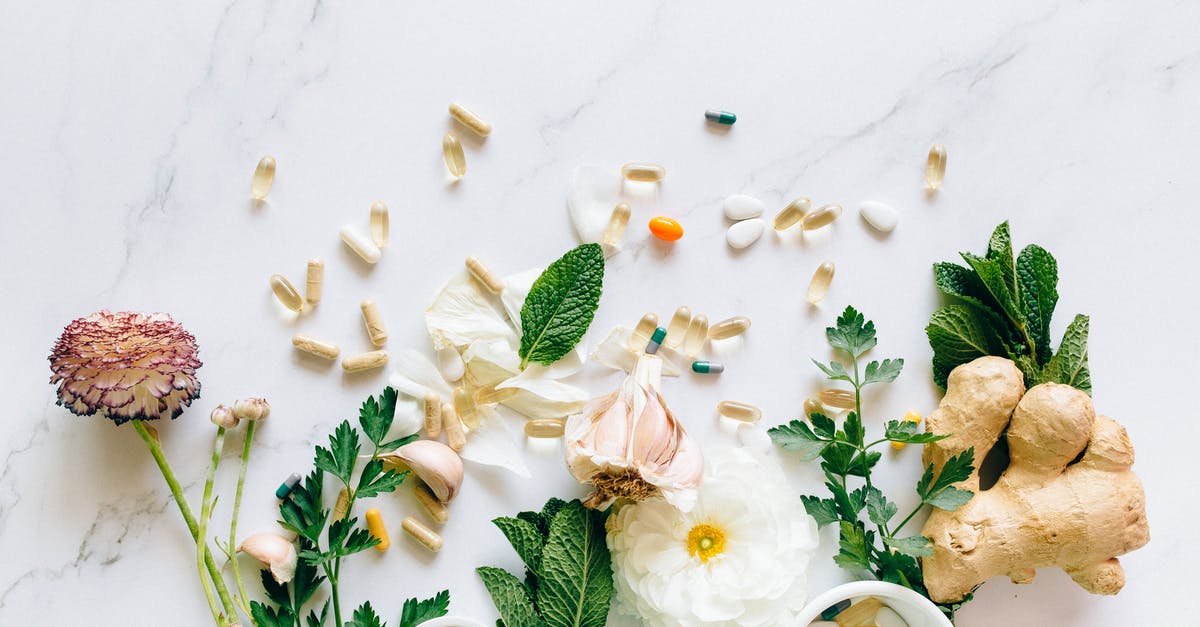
[629, 445]
[434, 463]
[222, 416]
[273, 550]
[251, 409]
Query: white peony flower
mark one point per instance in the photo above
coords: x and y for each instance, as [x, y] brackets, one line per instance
[738, 558]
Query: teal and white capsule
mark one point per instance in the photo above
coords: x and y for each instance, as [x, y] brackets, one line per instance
[287, 486]
[720, 117]
[707, 367]
[656, 339]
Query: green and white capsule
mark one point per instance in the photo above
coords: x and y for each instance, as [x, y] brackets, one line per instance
[707, 367]
[656, 339]
[287, 486]
[720, 117]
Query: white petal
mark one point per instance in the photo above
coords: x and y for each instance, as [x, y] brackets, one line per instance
[516, 288]
[614, 352]
[491, 444]
[489, 363]
[409, 416]
[415, 374]
[541, 397]
[591, 196]
[462, 313]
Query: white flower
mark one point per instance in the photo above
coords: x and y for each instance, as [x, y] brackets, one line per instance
[738, 558]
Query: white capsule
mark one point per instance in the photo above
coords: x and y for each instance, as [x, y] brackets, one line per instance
[743, 234]
[450, 363]
[360, 243]
[743, 207]
[881, 217]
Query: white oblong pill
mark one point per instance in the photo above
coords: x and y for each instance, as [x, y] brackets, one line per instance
[360, 243]
[880, 216]
[745, 233]
[743, 207]
[450, 364]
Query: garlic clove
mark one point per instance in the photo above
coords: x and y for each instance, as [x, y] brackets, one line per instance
[273, 550]
[434, 463]
[223, 416]
[251, 409]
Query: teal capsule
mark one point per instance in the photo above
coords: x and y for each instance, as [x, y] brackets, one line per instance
[655, 340]
[833, 610]
[720, 117]
[287, 486]
[707, 367]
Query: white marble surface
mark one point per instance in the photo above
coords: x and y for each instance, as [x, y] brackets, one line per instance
[130, 131]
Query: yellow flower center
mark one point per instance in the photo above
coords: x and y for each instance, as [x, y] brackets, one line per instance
[705, 542]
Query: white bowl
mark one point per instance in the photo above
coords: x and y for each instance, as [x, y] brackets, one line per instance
[453, 621]
[915, 609]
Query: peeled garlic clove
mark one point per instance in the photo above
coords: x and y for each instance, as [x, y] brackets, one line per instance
[881, 217]
[743, 207]
[745, 233]
[434, 463]
[275, 551]
[450, 363]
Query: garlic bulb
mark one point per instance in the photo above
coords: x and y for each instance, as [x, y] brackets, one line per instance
[273, 550]
[222, 416]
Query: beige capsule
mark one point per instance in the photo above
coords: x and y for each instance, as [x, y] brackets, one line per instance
[342, 505]
[373, 321]
[464, 406]
[286, 293]
[546, 428]
[935, 167]
[484, 275]
[264, 178]
[791, 214]
[467, 118]
[818, 286]
[456, 437]
[841, 399]
[642, 332]
[433, 415]
[737, 410]
[820, 217]
[696, 335]
[678, 326]
[314, 280]
[365, 361]
[643, 172]
[452, 154]
[437, 509]
[379, 224]
[617, 223]
[419, 532]
[729, 327]
[314, 346]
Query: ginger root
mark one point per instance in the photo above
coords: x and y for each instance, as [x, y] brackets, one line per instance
[1046, 509]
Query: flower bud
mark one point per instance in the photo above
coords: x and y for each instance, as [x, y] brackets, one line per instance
[222, 416]
[251, 409]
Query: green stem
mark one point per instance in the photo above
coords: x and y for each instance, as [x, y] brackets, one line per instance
[909, 517]
[206, 507]
[237, 505]
[184, 509]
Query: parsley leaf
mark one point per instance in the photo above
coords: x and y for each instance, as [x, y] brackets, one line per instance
[937, 489]
[343, 450]
[797, 436]
[851, 333]
[265, 616]
[916, 546]
[365, 616]
[879, 509]
[559, 307]
[375, 417]
[416, 612]
[883, 372]
[375, 480]
[905, 431]
[853, 552]
[835, 370]
[824, 511]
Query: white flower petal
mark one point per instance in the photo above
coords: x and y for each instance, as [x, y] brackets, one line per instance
[614, 353]
[492, 444]
[543, 398]
[415, 375]
[462, 313]
[516, 288]
[591, 196]
[489, 363]
[409, 416]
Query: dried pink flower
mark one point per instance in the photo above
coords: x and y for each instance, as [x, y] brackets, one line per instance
[125, 366]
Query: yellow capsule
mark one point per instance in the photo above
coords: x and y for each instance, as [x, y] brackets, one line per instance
[744, 412]
[433, 415]
[643, 172]
[642, 332]
[377, 529]
[286, 293]
[314, 346]
[314, 281]
[841, 399]
[818, 286]
[264, 177]
[464, 116]
[455, 436]
[342, 504]
[492, 395]
[935, 167]
[860, 614]
[911, 416]
[365, 361]
[374, 322]
[812, 406]
[617, 223]
[379, 223]
[548, 428]
[486, 277]
[437, 509]
[729, 327]
[452, 154]
[426, 536]
[464, 405]
[792, 213]
[677, 328]
[696, 335]
[822, 216]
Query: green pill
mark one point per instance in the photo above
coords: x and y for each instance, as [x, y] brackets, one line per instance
[655, 340]
[287, 486]
[720, 117]
[707, 367]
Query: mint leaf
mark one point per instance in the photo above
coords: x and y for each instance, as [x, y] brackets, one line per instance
[524, 538]
[1001, 297]
[365, 616]
[339, 458]
[416, 612]
[824, 511]
[561, 304]
[797, 436]
[851, 334]
[916, 546]
[957, 337]
[511, 598]
[954, 280]
[1037, 280]
[575, 583]
[1000, 250]
[882, 372]
[1070, 364]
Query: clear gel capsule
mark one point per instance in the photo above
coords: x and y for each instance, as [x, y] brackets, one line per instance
[935, 167]
[656, 339]
[720, 117]
[696, 335]
[707, 367]
[729, 327]
[264, 177]
[456, 437]
[643, 172]
[464, 406]
[744, 412]
[492, 395]
[791, 214]
[642, 332]
[433, 416]
[314, 346]
[286, 293]
[616, 224]
[360, 243]
[486, 277]
[544, 428]
[314, 281]
[379, 224]
[841, 399]
[376, 527]
[677, 327]
[819, 285]
[437, 510]
[812, 406]
[822, 216]
[464, 116]
[426, 536]
[452, 154]
[365, 361]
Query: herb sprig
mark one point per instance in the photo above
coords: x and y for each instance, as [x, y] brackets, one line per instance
[845, 452]
[561, 304]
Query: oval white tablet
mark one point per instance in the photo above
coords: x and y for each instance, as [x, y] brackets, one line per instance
[745, 233]
[743, 207]
[880, 216]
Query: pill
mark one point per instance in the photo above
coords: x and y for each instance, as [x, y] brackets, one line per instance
[935, 167]
[820, 217]
[616, 224]
[818, 286]
[492, 395]
[341, 505]
[677, 328]
[665, 229]
[729, 327]
[264, 177]
[452, 154]
[720, 117]
[455, 436]
[835, 609]
[791, 214]
[365, 361]
[743, 234]
[695, 336]
[426, 536]
[887, 617]
[360, 244]
[286, 293]
[911, 416]
[812, 406]
[377, 529]
[379, 224]
[841, 399]
[486, 277]
[464, 116]
[436, 509]
[464, 406]
[450, 363]
[643, 172]
[656, 339]
[314, 281]
[642, 332]
[880, 216]
[707, 367]
[314, 346]
[743, 207]
[548, 428]
[860, 614]
[736, 410]
[433, 415]
[373, 322]
[287, 486]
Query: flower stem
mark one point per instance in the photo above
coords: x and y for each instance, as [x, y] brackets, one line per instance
[237, 504]
[186, 511]
[206, 507]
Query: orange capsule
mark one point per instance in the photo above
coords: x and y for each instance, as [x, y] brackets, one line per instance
[665, 229]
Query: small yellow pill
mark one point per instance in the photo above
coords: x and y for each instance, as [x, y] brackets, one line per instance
[286, 293]
[375, 526]
[911, 416]
[935, 167]
[464, 404]
[492, 395]
[467, 118]
[426, 536]
[546, 428]
[643, 172]
[452, 154]
[264, 177]
[841, 399]
[666, 229]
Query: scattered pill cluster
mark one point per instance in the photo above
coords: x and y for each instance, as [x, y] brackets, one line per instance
[452, 150]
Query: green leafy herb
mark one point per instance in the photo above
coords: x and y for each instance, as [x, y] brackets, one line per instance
[1004, 308]
[568, 577]
[845, 452]
[416, 612]
[561, 304]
